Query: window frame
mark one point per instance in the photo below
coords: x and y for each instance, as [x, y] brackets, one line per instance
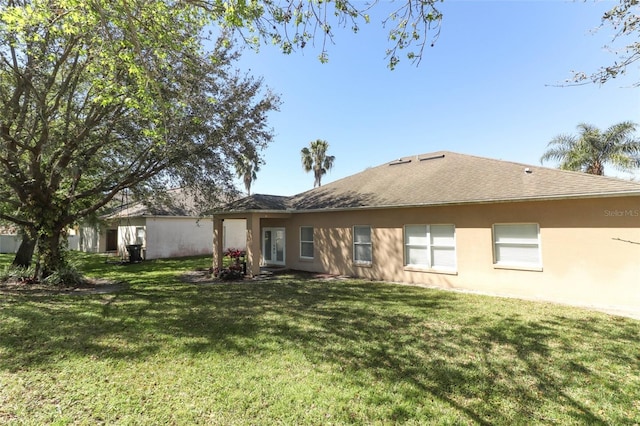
[357, 243]
[141, 235]
[510, 264]
[429, 246]
[312, 242]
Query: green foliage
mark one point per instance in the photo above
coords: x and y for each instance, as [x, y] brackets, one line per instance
[592, 149]
[299, 350]
[16, 273]
[100, 96]
[247, 168]
[65, 276]
[315, 158]
[293, 24]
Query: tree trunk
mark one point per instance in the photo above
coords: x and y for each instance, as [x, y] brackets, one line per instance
[25, 251]
[50, 254]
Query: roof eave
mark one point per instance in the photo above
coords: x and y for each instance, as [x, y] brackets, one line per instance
[254, 211]
[445, 203]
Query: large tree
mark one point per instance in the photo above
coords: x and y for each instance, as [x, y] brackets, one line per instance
[315, 158]
[592, 148]
[100, 96]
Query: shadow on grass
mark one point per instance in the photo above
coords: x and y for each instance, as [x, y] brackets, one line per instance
[488, 359]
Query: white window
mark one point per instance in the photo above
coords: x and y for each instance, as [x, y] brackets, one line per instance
[430, 246]
[362, 245]
[140, 235]
[517, 245]
[306, 242]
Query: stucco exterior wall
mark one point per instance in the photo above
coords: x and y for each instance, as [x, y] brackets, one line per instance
[234, 234]
[89, 238]
[127, 233]
[178, 237]
[590, 249]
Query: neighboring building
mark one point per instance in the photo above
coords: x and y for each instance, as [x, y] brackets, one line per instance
[461, 222]
[9, 239]
[165, 228]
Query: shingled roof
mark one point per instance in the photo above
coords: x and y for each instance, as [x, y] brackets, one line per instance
[260, 202]
[176, 202]
[444, 177]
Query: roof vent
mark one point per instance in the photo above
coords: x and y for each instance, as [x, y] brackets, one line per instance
[528, 171]
[432, 158]
[400, 161]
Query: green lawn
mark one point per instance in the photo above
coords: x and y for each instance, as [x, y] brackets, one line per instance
[295, 350]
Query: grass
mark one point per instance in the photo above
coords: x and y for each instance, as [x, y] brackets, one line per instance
[296, 350]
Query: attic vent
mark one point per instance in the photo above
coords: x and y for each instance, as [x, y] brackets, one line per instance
[432, 158]
[399, 161]
[528, 171]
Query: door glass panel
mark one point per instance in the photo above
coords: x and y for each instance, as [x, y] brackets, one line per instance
[267, 245]
[279, 246]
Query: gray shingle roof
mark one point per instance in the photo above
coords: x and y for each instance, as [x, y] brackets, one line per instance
[449, 178]
[175, 202]
[259, 202]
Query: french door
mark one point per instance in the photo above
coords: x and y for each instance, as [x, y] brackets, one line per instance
[273, 243]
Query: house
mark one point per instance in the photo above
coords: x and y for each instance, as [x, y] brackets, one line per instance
[163, 228]
[460, 222]
[9, 239]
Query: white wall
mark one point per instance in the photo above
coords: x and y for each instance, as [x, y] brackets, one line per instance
[73, 242]
[178, 237]
[9, 243]
[234, 234]
[89, 239]
[132, 232]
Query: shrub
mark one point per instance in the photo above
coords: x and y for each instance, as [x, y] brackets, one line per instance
[17, 273]
[233, 272]
[67, 276]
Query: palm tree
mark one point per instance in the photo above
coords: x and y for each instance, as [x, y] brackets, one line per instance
[315, 158]
[591, 149]
[246, 169]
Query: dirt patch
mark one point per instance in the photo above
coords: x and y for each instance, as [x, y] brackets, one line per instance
[204, 276]
[197, 277]
[90, 286]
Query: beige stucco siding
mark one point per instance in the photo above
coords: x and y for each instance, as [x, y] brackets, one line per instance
[234, 234]
[590, 249]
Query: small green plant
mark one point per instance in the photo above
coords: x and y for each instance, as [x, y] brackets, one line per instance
[69, 276]
[16, 273]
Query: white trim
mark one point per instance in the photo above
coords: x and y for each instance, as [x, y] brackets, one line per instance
[312, 242]
[524, 243]
[429, 246]
[370, 244]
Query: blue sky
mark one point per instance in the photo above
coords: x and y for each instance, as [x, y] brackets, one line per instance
[486, 88]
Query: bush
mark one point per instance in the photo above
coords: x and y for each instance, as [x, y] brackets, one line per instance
[67, 276]
[233, 272]
[17, 273]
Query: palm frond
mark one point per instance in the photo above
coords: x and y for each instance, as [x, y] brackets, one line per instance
[591, 149]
